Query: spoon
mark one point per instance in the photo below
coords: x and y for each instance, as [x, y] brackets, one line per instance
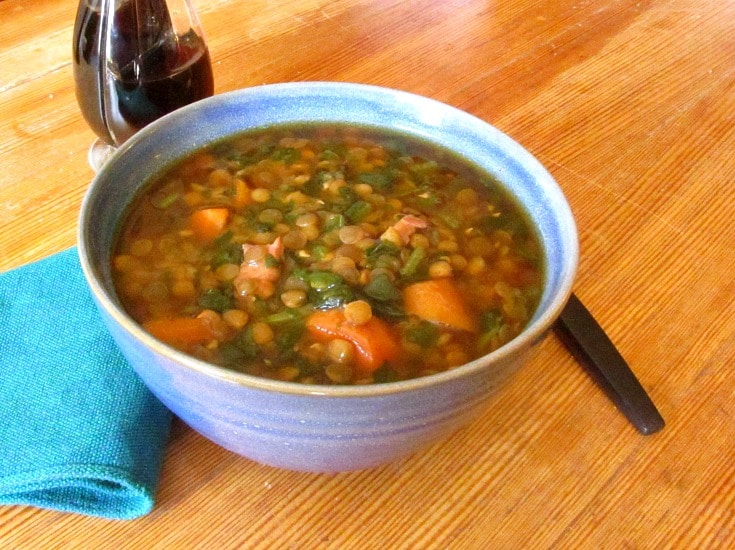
[589, 344]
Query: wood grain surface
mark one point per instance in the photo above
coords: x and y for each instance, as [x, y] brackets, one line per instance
[631, 106]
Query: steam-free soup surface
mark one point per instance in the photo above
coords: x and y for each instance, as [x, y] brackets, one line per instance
[328, 255]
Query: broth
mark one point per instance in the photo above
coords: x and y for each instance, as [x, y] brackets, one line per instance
[328, 254]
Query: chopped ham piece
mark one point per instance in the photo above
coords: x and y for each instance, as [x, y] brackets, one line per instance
[255, 274]
[402, 230]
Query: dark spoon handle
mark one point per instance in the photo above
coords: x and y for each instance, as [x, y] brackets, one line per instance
[586, 340]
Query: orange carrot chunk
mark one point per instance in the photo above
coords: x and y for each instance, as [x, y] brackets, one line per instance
[208, 223]
[180, 331]
[242, 194]
[374, 341]
[438, 301]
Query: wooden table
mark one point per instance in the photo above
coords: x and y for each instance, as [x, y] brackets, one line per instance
[631, 106]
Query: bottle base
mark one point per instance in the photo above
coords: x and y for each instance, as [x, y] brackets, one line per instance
[98, 154]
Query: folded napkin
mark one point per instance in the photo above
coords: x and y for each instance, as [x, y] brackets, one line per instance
[79, 432]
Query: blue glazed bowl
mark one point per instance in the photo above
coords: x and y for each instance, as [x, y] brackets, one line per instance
[321, 428]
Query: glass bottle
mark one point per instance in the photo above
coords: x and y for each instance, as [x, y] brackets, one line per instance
[135, 61]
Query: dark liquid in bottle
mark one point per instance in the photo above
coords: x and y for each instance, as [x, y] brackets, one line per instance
[134, 103]
[146, 74]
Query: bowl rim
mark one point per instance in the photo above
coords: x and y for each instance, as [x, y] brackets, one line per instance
[532, 333]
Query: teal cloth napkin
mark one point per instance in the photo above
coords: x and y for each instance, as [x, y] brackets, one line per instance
[79, 432]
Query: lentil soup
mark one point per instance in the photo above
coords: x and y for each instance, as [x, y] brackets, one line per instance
[328, 254]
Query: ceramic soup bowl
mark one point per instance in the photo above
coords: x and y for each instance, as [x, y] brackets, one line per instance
[322, 428]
